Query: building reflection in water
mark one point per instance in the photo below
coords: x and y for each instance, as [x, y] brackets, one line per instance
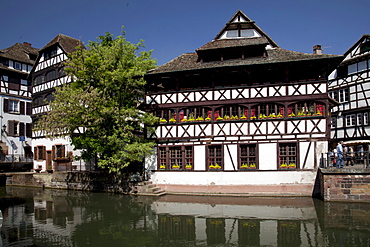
[35, 217]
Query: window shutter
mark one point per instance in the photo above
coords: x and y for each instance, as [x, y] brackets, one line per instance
[21, 129]
[28, 108]
[63, 151]
[11, 127]
[28, 130]
[53, 153]
[35, 153]
[21, 108]
[6, 105]
[43, 152]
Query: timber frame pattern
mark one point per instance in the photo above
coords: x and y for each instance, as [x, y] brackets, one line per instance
[240, 90]
[350, 86]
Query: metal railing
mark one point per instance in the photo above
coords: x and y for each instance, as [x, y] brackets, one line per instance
[351, 160]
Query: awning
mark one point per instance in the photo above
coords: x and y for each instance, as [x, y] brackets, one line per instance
[356, 142]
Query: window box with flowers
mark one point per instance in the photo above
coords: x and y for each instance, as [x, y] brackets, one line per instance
[175, 167]
[162, 167]
[188, 167]
[246, 166]
[234, 118]
[199, 119]
[243, 117]
[219, 118]
[215, 167]
[253, 118]
[172, 120]
[162, 121]
[207, 119]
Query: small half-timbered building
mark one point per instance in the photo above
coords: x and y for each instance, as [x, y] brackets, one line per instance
[240, 115]
[15, 112]
[47, 74]
[349, 85]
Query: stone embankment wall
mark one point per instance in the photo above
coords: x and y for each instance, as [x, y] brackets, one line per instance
[345, 184]
[89, 181]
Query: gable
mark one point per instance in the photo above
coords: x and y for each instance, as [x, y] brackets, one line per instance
[359, 49]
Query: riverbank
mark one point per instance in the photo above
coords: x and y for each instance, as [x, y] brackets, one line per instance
[350, 185]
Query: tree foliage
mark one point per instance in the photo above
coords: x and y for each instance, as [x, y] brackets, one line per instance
[100, 110]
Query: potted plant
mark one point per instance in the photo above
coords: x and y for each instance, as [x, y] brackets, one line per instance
[188, 166]
[214, 167]
[199, 119]
[284, 166]
[252, 166]
[175, 167]
[162, 121]
[253, 117]
[219, 118]
[291, 115]
[172, 120]
[243, 117]
[208, 119]
[162, 167]
[244, 166]
[292, 166]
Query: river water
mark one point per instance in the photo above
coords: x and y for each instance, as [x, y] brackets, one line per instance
[36, 217]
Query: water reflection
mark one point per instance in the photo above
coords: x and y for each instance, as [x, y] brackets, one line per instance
[35, 217]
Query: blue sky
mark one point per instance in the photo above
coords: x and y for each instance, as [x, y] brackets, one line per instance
[171, 27]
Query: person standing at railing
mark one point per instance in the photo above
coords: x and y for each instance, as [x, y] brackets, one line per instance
[349, 156]
[340, 156]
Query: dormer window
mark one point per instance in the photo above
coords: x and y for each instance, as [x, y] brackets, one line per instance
[50, 53]
[17, 66]
[365, 47]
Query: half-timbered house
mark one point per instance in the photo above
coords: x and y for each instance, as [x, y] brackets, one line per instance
[349, 84]
[47, 74]
[15, 96]
[240, 115]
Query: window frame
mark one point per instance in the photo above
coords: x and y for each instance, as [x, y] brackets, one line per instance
[13, 106]
[291, 161]
[249, 161]
[215, 159]
[175, 158]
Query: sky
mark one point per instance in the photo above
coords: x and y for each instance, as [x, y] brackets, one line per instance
[173, 27]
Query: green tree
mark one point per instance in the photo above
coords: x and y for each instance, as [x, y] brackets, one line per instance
[100, 110]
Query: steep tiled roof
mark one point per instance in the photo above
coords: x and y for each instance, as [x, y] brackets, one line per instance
[67, 43]
[20, 52]
[189, 61]
[226, 43]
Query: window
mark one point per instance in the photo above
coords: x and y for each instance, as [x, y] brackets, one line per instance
[366, 118]
[13, 128]
[341, 95]
[248, 157]
[176, 158]
[59, 151]
[49, 98]
[38, 101]
[17, 66]
[39, 152]
[214, 158]
[267, 111]
[13, 106]
[38, 80]
[333, 122]
[350, 120]
[306, 109]
[359, 119]
[287, 156]
[51, 75]
[364, 47]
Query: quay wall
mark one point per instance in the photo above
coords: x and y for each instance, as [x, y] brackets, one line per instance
[88, 181]
[344, 184]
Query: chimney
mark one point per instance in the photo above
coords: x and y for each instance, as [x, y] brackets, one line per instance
[317, 50]
[27, 44]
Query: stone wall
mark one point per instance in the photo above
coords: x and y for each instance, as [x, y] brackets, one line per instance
[345, 184]
[89, 181]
